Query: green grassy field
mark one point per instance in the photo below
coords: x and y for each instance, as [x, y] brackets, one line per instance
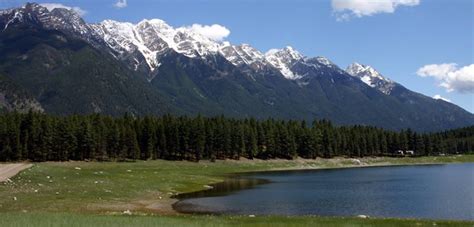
[92, 193]
[63, 219]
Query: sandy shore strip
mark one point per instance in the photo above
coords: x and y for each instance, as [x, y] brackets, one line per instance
[7, 171]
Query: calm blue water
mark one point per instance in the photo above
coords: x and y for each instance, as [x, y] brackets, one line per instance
[428, 192]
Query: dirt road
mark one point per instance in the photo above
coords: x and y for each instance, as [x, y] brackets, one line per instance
[9, 170]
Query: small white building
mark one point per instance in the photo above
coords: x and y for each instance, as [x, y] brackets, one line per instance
[410, 152]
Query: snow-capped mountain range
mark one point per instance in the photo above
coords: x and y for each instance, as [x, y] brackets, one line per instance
[70, 66]
[152, 38]
[148, 40]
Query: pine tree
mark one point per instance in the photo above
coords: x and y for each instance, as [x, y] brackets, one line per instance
[252, 143]
[199, 138]
[65, 145]
[419, 148]
[86, 142]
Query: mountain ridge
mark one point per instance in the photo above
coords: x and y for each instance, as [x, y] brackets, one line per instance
[183, 72]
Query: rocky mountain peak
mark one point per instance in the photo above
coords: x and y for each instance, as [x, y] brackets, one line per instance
[283, 60]
[50, 17]
[371, 77]
[243, 54]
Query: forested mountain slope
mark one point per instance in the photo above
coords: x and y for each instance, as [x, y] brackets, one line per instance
[150, 68]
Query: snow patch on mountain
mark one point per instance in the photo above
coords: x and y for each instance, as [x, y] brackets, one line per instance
[123, 38]
[283, 60]
[439, 97]
[57, 18]
[5, 11]
[371, 77]
[16, 17]
[243, 55]
[324, 61]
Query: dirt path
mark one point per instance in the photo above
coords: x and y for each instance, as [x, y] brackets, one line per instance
[9, 170]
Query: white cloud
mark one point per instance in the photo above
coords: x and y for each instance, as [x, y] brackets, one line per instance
[215, 32]
[451, 76]
[441, 98]
[121, 4]
[345, 9]
[51, 6]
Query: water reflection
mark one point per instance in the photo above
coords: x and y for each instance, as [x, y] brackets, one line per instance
[226, 187]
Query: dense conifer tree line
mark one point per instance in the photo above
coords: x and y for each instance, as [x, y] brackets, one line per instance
[39, 137]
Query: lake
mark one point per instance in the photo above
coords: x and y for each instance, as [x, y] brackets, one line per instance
[425, 191]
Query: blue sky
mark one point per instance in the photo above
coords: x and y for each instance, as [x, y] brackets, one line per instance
[398, 41]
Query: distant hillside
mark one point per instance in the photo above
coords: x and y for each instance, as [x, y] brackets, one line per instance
[150, 68]
[14, 98]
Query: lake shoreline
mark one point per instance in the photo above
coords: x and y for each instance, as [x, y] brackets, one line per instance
[366, 162]
[145, 188]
